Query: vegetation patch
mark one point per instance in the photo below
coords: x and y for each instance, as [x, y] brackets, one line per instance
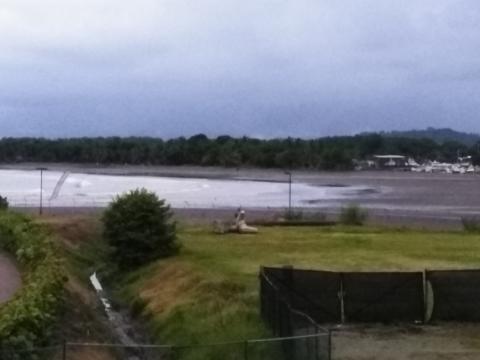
[353, 215]
[138, 227]
[28, 320]
[471, 224]
[3, 203]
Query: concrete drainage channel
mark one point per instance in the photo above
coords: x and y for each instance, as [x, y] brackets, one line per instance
[305, 346]
[120, 324]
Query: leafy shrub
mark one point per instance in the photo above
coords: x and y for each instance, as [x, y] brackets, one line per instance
[299, 215]
[293, 215]
[316, 216]
[471, 224]
[138, 227]
[27, 320]
[353, 215]
[3, 203]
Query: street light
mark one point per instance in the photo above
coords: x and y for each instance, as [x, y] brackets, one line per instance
[42, 169]
[289, 192]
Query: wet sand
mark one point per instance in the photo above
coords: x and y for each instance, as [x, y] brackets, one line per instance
[10, 280]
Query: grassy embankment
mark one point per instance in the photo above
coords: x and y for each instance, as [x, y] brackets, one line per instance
[209, 293]
[83, 319]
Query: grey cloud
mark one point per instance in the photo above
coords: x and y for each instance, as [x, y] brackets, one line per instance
[273, 67]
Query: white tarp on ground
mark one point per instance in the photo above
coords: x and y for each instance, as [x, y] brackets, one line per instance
[22, 188]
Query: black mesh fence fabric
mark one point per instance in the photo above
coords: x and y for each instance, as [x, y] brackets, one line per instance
[455, 295]
[310, 341]
[383, 297]
[313, 292]
[317, 294]
[330, 297]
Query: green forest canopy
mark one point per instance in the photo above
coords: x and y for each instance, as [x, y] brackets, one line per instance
[328, 153]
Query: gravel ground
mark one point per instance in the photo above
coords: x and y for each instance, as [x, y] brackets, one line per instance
[452, 341]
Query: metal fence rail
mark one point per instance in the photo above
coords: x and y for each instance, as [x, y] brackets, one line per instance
[279, 348]
[49, 352]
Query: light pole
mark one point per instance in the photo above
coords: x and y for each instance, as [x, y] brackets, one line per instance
[40, 209]
[289, 192]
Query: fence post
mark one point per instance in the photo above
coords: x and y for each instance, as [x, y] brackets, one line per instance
[341, 297]
[278, 319]
[64, 350]
[245, 350]
[174, 353]
[287, 274]
[329, 344]
[424, 284]
[262, 293]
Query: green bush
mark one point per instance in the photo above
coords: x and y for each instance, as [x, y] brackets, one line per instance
[353, 215]
[292, 215]
[28, 320]
[139, 228]
[471, 224]
[3, 203]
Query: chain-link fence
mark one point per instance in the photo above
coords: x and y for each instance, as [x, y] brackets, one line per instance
[281, 348]
[50, 353]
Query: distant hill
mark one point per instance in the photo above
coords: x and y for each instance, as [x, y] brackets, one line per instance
[438, 135]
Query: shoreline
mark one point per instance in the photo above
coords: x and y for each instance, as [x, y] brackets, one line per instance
[207, 216]
[405, 198]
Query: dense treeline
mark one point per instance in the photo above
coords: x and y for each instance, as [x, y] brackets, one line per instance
[438, 135]
[323, 153]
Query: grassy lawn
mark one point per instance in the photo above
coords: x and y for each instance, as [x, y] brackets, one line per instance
[209, 293]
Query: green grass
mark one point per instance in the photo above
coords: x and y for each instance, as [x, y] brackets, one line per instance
[209, 293]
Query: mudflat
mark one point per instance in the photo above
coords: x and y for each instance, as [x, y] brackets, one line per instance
[397, 198]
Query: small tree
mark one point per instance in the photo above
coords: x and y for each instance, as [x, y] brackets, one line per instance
[3, 203]
[139, 228]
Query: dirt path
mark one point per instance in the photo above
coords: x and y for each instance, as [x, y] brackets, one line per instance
[10, 279]
[448, 341]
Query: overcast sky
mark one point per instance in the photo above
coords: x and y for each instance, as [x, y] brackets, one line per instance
[241, 67]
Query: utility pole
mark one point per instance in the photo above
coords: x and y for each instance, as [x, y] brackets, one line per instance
[289, 192]
[40, 209]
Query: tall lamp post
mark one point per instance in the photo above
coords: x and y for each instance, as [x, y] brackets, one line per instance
[40, 209]
[289, 192]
